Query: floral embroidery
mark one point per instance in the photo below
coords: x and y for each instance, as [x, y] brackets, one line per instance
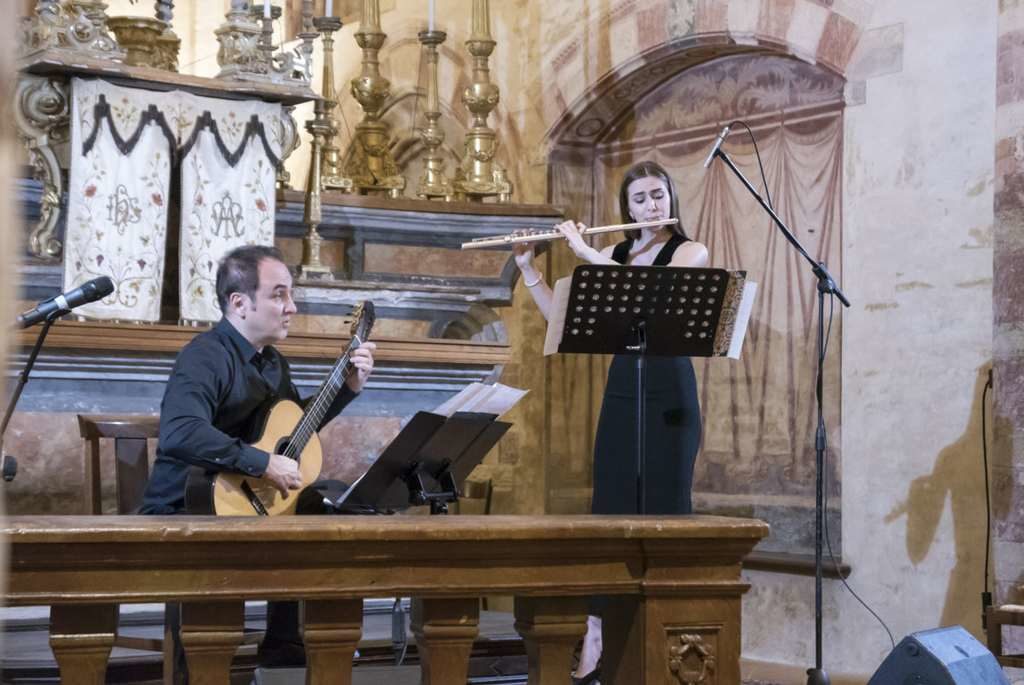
[118, 204]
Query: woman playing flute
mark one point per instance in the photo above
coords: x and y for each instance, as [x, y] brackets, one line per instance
[673, 424]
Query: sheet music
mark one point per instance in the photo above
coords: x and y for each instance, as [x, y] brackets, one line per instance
[482, 399]
[556, 324]
[739, 332]
[351, 489]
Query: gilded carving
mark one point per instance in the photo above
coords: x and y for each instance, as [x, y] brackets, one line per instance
[247, 53]
[330, 155]
[369, 163]
[690, 659]
[479, 175]
[42, 116]
[78, 25]
[149, 42]
[286, 134]
[239, 39]
[434, 181]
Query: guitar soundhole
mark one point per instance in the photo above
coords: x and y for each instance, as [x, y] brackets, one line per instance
[283, 444]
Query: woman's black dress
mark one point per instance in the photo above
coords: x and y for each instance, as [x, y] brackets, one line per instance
[673, 427]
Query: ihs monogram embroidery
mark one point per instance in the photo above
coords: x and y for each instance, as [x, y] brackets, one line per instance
[123, 209]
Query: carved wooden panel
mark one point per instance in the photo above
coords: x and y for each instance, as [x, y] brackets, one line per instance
[692, 655]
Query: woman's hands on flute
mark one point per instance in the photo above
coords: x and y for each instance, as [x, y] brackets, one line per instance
[524, 257]
[571, 231]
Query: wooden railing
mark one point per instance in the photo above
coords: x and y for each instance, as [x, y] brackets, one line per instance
[674, 618]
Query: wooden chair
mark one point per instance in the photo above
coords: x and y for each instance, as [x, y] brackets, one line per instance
[997, 617]
[130, 434]
[131, 455]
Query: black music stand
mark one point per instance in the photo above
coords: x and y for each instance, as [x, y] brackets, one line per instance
[647, 310]
[425, 463]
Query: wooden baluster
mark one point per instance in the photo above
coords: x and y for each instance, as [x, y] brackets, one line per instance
[550, 628]
[331, 630]
[211, 633]
[445, 630]
[81, 637]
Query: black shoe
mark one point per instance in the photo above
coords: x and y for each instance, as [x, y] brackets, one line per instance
[281, 654]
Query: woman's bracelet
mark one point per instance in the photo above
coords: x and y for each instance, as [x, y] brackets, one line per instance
[540, 277]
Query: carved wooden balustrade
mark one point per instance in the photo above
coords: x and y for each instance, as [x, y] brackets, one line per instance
[675, 617]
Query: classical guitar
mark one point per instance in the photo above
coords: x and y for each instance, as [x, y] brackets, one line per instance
[287, 430]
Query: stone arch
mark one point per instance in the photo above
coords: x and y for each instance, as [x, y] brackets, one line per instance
[580, 110]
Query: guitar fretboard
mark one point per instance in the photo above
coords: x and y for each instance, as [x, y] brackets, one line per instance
[317, 408]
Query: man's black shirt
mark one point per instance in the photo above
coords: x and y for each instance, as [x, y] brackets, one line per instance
[215, 400]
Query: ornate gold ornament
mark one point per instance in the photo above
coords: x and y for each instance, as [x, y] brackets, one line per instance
[369, 164]
[247, 52]
[287, 133]
[434, 182]
[42, 116]
[479, 176]
[330, 156]
[78, 26]
[149, 42]
[312, 267]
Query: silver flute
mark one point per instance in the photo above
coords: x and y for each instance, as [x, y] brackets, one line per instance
[535, 236]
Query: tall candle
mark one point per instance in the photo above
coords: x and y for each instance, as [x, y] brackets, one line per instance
[481, 18]
[430, 15]
[328, 9]
[266, 9]
[371, 15]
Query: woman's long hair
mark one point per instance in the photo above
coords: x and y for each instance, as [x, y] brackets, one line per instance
[643, 170]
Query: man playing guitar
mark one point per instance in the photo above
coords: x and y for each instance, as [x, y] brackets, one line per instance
[224, 379]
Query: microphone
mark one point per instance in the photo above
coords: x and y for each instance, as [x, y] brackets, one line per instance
[717, 146]
[90, 291]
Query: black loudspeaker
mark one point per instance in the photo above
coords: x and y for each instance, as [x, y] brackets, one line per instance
[944, 656]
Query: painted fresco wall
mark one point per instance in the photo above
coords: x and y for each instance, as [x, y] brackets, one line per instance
[916, 248]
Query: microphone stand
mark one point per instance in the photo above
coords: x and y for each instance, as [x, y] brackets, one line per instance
[826, 285]
[9, 463]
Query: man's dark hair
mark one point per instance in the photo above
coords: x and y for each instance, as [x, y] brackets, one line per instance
[239, 271]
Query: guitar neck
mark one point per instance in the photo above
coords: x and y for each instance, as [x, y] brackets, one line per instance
[317, 407]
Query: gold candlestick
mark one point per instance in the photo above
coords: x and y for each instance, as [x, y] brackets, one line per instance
[479, 176]
[312, 267]
[433, 182]
[330, 156]
[369, 164]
